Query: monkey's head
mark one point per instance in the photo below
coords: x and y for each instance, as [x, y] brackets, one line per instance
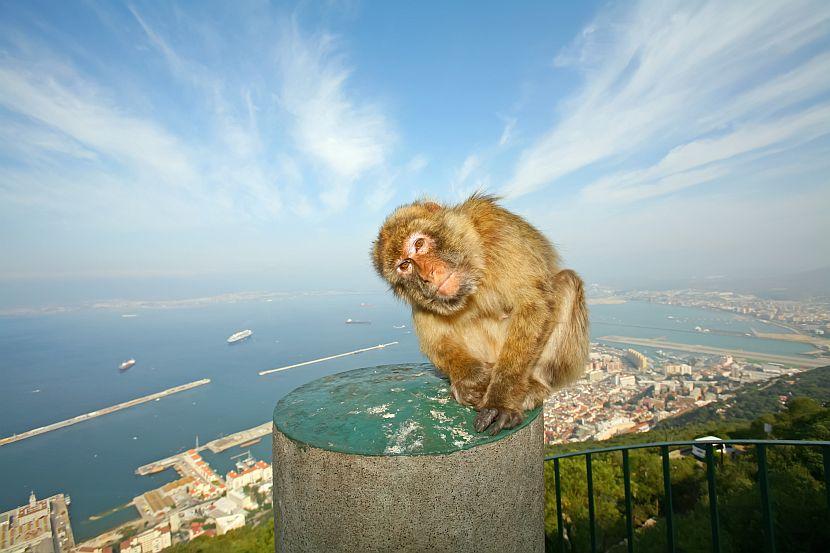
[430, 255]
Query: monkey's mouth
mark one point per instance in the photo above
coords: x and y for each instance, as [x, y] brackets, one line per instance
[450, 286]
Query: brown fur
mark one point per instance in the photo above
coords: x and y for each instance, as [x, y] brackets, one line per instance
[516, 329]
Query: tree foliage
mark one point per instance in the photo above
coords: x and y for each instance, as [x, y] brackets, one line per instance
[248, 539]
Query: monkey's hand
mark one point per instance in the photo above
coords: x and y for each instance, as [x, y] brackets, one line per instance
[497, 419]
[471, 390]
[495, 411]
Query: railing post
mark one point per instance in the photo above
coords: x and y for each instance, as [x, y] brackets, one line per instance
[664, 450]
[559, 519]
[825, 453]
[713, 497]
[591, 520]
[629, 522]
[766, 505]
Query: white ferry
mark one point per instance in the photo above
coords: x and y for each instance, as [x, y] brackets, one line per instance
[126, 364]
[239, 336]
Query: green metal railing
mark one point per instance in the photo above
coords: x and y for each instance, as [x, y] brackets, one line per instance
[664, 447]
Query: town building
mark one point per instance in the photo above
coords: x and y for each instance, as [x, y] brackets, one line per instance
[40, 526]
[150, 541]
[229, 522]
[637, 359]
[677, 369]
[255, 473]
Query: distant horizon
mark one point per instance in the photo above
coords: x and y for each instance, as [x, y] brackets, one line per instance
[36, 295]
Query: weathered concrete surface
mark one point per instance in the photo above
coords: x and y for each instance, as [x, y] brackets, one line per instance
[402, 495]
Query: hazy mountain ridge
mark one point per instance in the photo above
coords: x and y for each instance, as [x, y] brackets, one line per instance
[793, 286]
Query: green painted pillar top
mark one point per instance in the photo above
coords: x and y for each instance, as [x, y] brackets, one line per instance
[385, 410]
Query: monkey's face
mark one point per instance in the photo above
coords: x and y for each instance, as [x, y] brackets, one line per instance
[424, 261]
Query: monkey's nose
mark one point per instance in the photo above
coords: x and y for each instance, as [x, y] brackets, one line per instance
[427, 274]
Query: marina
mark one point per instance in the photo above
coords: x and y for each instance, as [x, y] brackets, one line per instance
[241, 438]
[100, 412]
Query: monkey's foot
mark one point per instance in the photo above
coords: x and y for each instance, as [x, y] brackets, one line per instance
[496, 419]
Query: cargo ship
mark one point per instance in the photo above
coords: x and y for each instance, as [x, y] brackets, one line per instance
[126, 365]
[354, 322]
[239, 336]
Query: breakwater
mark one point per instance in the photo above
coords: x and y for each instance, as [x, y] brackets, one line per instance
[100, 412]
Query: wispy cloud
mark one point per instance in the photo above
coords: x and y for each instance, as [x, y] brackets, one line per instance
[175, 61]
[469, 177]
[416, 164]
[286, 132]
[706, 159]
[507, 133]
[471, 163]
[772, 215]
[80, 111]
[239, 170]
[348, 137]
[693, 84]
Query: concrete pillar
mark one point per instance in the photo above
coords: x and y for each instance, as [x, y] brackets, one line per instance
[383, 459]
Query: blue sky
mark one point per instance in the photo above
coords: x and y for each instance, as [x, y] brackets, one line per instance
[197, 139]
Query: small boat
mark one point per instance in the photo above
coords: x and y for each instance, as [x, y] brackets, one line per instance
[399, 327]
[239, 336]
[126, 365]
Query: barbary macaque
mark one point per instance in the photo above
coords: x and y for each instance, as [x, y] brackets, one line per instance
[491, 307]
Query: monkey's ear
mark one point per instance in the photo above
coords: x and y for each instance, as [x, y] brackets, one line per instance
[432, 207]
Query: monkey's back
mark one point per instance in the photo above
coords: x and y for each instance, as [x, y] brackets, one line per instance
[518, 257]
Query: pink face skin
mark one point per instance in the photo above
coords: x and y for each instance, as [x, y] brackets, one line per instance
[418, 255]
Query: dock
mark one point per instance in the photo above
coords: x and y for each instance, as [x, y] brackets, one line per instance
[330, 357]
[100, 412]
[221, 444]
[794, 360]
[216, 446]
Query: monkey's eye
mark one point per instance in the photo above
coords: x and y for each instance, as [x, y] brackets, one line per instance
[419, 243]
[405, 266]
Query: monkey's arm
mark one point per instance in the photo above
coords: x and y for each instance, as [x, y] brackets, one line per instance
[546, 347]
[469, 376]
[502, 404]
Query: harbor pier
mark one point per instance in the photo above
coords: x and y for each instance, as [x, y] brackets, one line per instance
[105, 411]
